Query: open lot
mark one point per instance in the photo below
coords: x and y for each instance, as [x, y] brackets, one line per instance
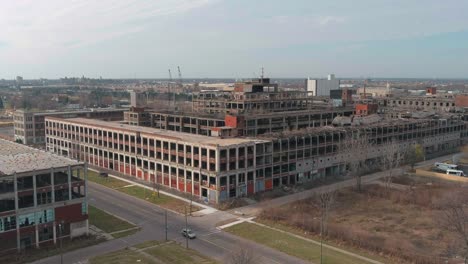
[162, 200]
[405, 221]
[154, 252]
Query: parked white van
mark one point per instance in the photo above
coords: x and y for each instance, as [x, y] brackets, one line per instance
[455, 172]
[445, 166]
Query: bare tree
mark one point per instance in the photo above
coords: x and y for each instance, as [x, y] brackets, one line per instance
[455, 218]
[243, 255]
[326, 200]
[391, 160]
[356, 146]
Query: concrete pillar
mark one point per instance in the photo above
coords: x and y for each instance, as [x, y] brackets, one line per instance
[237, 158]
[54, 231]
[217, 160]
[69, 172]
[254, 173]
[15, 186]
[52, 183]
[37, 235]
[34, 189]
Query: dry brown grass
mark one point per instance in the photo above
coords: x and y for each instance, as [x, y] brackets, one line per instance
[402, 224]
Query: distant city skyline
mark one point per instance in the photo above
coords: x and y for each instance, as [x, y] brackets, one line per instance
[233, 39]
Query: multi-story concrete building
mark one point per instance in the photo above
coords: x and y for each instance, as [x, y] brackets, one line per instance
[30, 126]
[249, 140]
[42, 197]
[217, 168]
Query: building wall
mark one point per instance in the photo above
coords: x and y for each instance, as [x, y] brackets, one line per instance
[30, 126]
[322, 87]
[33, 204]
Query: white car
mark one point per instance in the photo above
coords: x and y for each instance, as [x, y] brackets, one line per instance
[188, 233]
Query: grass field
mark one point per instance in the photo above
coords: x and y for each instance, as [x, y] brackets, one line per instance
[142, 193]
[109, 223]
[290, 245]
[405, 223]
[153, 252]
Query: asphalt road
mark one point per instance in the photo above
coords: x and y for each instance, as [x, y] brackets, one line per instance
[210, 241]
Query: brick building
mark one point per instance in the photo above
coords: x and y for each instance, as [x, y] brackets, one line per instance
[42, 197]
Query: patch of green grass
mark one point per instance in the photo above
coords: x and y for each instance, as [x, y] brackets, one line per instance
[123, 256]
[148, 244]
[174, 253]
[290, 245]
[162, 253]
[299, 232]
[106, 222]
[106, 181]
[142, 193]
[125, 233]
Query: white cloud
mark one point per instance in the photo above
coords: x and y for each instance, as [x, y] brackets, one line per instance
[33, 29]
[326, 20]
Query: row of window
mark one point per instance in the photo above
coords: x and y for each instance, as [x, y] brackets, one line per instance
[24, 220]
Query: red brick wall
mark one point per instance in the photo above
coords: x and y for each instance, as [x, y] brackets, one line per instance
[366, 109]
[69, 213]
[431, 90]
[238, 87]
[461, 101]
[230, 121]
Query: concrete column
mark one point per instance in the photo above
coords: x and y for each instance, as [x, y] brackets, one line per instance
[52, 183]
[255, 165]
[15, 186]
[54, 231]
[228, 166]
[217, 160]
[237, 158]
[69, 173]
[34, 189]
[37, 235]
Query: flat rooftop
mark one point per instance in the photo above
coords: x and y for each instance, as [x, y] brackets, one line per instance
[19, 158]
[179, 136]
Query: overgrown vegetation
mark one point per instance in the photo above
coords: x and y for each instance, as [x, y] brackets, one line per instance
[404, 223]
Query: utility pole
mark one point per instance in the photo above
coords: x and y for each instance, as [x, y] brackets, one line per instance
[321, 239]
[60, 234]
[165, 217]
[186, 228]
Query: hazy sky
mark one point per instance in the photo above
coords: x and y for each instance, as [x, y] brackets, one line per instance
[233, 38]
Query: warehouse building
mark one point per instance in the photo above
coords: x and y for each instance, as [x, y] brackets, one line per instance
[30, 126]
[249, 140]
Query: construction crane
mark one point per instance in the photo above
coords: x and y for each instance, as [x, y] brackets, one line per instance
[169, 87]
[180, 78]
